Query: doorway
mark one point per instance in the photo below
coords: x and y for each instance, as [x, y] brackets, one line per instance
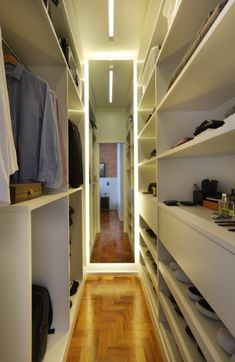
[112, 243]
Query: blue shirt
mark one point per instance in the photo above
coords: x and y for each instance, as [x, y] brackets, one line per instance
[34, 127]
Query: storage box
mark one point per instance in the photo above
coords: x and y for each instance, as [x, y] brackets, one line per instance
[24, 192]
[209, 204]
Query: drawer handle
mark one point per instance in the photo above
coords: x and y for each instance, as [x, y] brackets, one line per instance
[30, 192]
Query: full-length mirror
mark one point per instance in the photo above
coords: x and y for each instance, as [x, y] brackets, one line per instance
[111, 161]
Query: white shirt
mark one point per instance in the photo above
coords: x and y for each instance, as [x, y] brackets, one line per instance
[8, 160]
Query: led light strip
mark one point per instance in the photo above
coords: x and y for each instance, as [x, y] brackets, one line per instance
[110, 84]
[111, 19]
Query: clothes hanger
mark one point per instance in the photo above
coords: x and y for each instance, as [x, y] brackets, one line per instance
[10, 59]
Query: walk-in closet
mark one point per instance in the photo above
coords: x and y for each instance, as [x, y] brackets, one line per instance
[117, 189]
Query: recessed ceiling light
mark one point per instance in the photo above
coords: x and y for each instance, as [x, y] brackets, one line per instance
[110, 84]
[111, 19]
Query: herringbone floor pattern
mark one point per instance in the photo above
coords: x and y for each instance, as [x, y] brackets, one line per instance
[113, 324]
[112, 244]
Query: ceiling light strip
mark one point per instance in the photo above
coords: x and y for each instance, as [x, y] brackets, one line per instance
[110, 84]
[111, 19]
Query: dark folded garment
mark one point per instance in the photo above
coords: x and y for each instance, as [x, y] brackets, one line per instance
[210, 123]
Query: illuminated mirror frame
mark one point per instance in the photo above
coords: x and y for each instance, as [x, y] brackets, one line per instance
[111, 267]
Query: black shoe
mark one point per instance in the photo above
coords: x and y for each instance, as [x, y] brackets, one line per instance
[194, 293]
[179, 311]
[189, 332]
[73, 287]
[206, 309]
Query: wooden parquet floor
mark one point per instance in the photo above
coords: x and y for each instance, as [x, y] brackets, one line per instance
[112, 244]
[113, 323]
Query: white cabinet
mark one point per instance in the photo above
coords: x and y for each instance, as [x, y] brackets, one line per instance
[35, 235]
[202, 90]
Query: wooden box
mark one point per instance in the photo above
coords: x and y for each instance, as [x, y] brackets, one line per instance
[24, 192]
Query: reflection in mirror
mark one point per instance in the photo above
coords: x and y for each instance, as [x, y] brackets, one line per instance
[111, 237]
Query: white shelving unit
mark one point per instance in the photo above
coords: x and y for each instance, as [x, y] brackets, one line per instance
[35, 234]
[188, 235]
[129, 164]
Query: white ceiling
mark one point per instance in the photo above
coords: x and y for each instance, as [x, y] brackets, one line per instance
[99, 82]
[90, 18]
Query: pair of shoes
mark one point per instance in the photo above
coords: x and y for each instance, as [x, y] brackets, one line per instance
[73, 287]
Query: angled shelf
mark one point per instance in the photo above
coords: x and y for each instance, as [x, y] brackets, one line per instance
[158, 35]
[150, 269]
[32, 48]
[187, 346]
[149, 241]
[190, 15]
[204, 329]
[187, 93]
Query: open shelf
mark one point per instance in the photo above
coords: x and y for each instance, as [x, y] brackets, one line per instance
[147, 100]
[216, 142]
[149, 243]
[152, 296]
[74, 99]
[203, 328]
[149, 128]
[187, 346]
[58, 343]
[148, 163]
[150, 269]
[170, 348]
[158, 34]
[38, 43]
[218, 80]
[190, 16]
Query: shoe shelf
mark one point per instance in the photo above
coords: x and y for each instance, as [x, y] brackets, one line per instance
[216, 142]
[58, 343]
[150, 291]
[150, 269]
[187, 93]
[150, 243]
[204, 329]
[170, 348]
[187, 347]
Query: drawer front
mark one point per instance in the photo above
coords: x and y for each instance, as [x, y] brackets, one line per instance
[148, 210]
[24, 192]
[210, 267]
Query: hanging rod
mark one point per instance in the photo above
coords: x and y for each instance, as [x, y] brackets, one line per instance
[13, 53]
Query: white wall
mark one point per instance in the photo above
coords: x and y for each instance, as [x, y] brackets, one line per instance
[109, 190]
[120, 180]
[111, 125]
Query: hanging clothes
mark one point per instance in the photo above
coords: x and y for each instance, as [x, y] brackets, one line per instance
[34, 127]
[75, 156]
[8, 160]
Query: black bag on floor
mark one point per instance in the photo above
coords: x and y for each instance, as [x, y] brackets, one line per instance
[41, 321]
